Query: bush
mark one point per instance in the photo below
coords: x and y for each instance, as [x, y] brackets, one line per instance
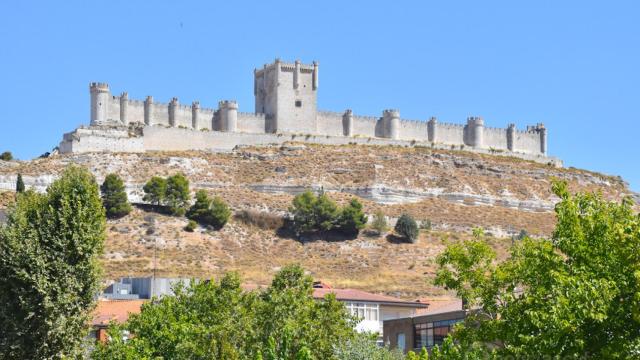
[320, 213]
[407, 228]
[191, 226]
[379, 223]
[209, 212]
[6, 156]
[351, 219]
[263, 220]
[426, 225]
[177, 194]
[114, 197]
[154, 190]
[19, 184]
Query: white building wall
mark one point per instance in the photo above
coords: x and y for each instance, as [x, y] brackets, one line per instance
[449, 134]
[527, 142]
[364, 126]
[413, 130]
[495, 138]
[251, 123]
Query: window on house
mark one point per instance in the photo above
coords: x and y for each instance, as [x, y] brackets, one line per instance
[430, 334]
[400, 341]
[298, 103]
[364, 311]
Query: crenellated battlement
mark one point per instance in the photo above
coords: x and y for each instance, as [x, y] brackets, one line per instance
[286, 103]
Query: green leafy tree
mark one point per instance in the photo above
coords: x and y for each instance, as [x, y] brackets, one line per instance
[201, 209]
[19, 184]
[6, 156]
[220, 213]
[325, 212]
[574, 296]
[177, 194]
[218, 320]
[407, 227]
[303, 210]
[363, 346]
[351, 218]
[155, 190]
[114, 197]
[49, 270]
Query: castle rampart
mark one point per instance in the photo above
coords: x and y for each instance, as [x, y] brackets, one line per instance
[286, 103]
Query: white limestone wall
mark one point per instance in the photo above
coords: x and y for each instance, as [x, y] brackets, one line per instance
[183, 116]
[292, 119]
[205, 119]
[364, 126]
[495, 138]
[251, 123]
[97, 140]
[330, 123]
[161, 114]
[449, 134]
[135, 111]
[113, 109]
[413, 130]
[527, 142]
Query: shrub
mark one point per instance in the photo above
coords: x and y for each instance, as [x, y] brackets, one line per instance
[19, 184]
[379, 223]
[114, 197]
[191, 226]
[425, 225]
[6, 156]
[154, 190]
[325, 212]
[263, 220]
[407, 228]
[351, 219]
[209, 212]
[177, 194]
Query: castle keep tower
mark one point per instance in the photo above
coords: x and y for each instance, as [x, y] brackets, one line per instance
[287, 95]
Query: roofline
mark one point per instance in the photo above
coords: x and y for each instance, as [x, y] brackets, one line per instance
[386, 302]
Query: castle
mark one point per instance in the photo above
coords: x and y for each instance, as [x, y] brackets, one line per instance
[285, 110]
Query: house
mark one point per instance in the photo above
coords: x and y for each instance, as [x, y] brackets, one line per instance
[427, 328]
[372, 309]
[108, 311]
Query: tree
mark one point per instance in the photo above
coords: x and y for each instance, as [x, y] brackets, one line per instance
[351, 218]
[407, 227]
[155, 190]
[209, 212]
[114, 197]
[177, 194]
[49, 270]
[19, 184]
[325, 212]
[6, 156]
[218, 320]
[303, 210]
[573, 296]
[363, 346]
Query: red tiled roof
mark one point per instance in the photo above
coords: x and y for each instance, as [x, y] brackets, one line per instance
[439, 305]
[115, 310]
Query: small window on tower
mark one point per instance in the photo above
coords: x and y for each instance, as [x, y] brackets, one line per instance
[298, 103]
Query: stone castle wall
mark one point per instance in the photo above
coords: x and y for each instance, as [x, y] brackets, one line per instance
[286, 103]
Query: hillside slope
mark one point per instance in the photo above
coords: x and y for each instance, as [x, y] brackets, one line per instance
[454, 190]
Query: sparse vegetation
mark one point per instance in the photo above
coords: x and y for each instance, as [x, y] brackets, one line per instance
[19, 184]
[6, 156]
[407, 227]
[379, 223]
[261, 219]
[426, 225]
[114, 197]
[191, 226]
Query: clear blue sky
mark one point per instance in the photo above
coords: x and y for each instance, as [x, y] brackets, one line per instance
[573, 65]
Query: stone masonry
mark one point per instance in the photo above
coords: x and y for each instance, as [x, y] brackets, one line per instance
[285, 104]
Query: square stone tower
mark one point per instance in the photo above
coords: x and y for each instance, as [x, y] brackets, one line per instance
[287, 95]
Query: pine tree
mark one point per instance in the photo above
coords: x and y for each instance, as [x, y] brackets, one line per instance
[177, 194]
[155, 190]
[114, 197]
[407, 228]
[19, 184]
[351, 219]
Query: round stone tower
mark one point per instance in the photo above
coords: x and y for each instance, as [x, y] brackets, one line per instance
[99, 102]
[228, 115]
[392, 123]
[347, 123]
[475, 128]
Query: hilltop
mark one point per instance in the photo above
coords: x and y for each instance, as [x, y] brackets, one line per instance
[454, 190]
